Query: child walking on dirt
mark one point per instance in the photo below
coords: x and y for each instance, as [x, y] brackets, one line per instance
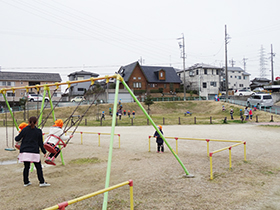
[159, 140]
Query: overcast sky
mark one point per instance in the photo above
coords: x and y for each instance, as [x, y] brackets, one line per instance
[100, 36]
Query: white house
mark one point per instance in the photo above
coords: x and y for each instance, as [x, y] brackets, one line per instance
[204, 78]
[238, 78]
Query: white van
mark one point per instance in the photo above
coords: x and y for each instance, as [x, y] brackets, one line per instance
[260, 100]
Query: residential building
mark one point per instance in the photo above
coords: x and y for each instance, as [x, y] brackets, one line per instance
[22, 79]
[238, 78]
[259, 82]
[204, 78]
[77, 89]
[148, 78]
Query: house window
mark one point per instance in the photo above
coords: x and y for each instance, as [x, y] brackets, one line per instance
[204, 85]
[231, 76]
[241, 85]
[191, 73]
[161, 74]
[197, 72]
[137, 84]
[80, 78]
[81, 89]
[239, 77]
[234, 76]
[205, 71]
[244, 77]
[214, 84]
[234, 85]
[212, 71]
[217, 72]
[134, 78]
[10, 94]
[21, 83]
[4, 83]
[139, 77]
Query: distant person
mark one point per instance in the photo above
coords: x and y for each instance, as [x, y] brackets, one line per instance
[110, 111]
[241, 115]
[120, 114]
[128, 113]
[251, 114]
[159, 140]
[246, 113]
[255, 108]
[223, 108]
[231, 113]
[103, 115]
[124, 113]
[32, 140]
[133, 114]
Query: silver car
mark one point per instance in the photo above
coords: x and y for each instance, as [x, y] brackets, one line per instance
[260, 100]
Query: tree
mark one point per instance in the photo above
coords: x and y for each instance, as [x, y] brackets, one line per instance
[95, 92]
[148, 101]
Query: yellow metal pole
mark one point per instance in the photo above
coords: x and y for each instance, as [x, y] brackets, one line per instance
[131, 194]
[207, 147]
[229, 150]
[211, 170]
[99, 139]
[119, 140]
[81, 137]
[244, 150]
[149, 143]
[66, 203]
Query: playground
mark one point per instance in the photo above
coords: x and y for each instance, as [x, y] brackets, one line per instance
[158, 178]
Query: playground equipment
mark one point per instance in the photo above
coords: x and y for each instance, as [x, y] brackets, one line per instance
[118, 79]
[99, 134]
[210, 155]
[66, 203]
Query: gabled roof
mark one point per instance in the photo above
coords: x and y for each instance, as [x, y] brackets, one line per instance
[150, 73]
[82, 72]
[198, 66]
[238, 69]
[30, 76]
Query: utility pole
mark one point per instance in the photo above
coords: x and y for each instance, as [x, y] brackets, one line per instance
[226, 67]
[244, 63]
[271, 56]
[184, 57]
[232, 62]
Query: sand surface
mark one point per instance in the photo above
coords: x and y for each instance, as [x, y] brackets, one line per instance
[158, 177]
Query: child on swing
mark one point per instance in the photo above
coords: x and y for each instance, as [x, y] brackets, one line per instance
[21, 127]
[55, 134]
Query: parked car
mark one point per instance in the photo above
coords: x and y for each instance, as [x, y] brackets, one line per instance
[244, 92]
[36, 97]
[260, 100]
[78, 99]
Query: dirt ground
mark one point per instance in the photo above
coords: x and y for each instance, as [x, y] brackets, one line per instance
[158, 177]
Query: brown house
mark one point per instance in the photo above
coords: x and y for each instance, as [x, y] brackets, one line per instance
[149, 78]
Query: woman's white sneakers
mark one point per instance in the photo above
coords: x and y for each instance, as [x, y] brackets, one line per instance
[45, 184]
[29, 183]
